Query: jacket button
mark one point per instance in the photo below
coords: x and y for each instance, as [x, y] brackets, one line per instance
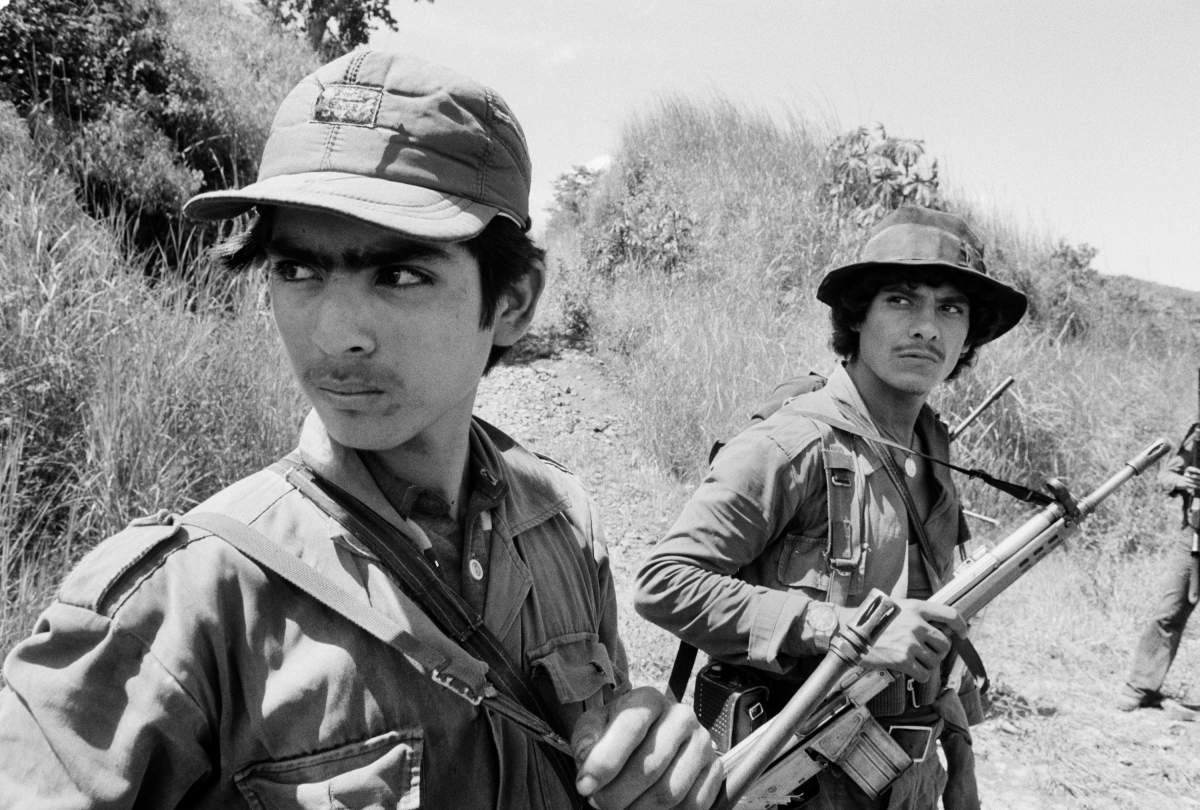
[476, 570]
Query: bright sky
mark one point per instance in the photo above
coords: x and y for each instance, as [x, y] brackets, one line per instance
[1079, 119]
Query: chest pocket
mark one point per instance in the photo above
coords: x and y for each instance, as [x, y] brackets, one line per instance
[803, 564]
[833, 564]
[382, 772]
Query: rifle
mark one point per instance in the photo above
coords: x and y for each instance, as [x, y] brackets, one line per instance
[826, 731]
[997, 392]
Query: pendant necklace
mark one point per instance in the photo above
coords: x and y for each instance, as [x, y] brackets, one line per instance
[910, 463]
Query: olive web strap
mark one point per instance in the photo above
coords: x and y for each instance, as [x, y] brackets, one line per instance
[465, 677]
[410, 570]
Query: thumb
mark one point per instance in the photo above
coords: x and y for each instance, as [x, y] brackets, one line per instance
[588, 731]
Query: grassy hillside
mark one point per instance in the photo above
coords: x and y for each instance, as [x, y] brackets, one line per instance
[121, 397]
[694, 260]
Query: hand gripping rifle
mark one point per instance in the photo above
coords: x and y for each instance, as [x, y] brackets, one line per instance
[763, 773]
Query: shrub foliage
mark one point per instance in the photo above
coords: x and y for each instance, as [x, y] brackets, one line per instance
[128, 106]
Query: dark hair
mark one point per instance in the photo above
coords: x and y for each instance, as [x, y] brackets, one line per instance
[504, 252]
[850, 309]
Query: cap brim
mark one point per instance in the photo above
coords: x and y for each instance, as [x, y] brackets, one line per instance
[1012, 302]
[413, 210]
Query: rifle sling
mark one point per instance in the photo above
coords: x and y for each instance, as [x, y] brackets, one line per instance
[1018, 491]
[448, 610]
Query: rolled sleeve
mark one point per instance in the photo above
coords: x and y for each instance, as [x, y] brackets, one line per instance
[91, 719]
[696, 584]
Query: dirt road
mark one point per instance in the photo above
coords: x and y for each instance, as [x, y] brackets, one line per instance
[1051, 740]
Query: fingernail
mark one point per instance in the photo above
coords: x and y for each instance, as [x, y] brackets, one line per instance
[583, 748]
[586, 785]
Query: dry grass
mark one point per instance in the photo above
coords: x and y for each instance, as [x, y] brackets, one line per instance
[119, 398]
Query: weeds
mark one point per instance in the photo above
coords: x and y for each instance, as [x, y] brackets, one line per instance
[704, 334]
[119, 397]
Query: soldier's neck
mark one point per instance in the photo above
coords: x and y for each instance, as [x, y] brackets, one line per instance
[892, 410]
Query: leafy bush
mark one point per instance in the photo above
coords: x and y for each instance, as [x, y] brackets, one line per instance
[126, 101]
[644, 228]
[331, 27]
[873, 174]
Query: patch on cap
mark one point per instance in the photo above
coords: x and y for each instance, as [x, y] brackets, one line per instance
[350, 104]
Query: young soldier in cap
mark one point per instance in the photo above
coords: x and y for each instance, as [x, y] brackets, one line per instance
[798, 519]
[409, 610]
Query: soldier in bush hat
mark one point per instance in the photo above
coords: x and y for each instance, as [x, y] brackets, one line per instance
[410, 610]
[806, 511]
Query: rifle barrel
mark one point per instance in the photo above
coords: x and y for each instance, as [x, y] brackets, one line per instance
[995, 570]
[997, 392]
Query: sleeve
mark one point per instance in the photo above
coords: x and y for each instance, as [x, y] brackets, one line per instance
[689, 584]
[1170, 477]
[91, 719]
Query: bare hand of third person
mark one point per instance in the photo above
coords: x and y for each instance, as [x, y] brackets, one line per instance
[915, 643]
[1191, 479]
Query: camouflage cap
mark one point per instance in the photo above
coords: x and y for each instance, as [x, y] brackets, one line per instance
[912, 236]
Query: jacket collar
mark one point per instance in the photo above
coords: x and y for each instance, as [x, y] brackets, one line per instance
[515, 478]
[842, 388]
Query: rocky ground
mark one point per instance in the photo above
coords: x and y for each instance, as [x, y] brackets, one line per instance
[1052, 738]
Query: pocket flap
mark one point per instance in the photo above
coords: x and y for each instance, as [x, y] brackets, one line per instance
[803, 563]
[577, 667]
[382, 772]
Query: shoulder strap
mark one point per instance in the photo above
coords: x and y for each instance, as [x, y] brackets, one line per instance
[844, 541]
[461, 674]
[466, 677]
[448, 610]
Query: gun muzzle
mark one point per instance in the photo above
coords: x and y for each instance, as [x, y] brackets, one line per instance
[1142, 461]
[745, 762]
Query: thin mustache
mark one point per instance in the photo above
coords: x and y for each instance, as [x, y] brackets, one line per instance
[370, 379]
[931, 350]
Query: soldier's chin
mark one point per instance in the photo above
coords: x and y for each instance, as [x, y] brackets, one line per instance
[364, 431]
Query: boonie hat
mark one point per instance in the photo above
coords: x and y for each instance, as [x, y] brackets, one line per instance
[393, 141]
[921, 237]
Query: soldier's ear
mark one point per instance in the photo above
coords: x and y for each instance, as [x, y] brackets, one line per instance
[518, 305]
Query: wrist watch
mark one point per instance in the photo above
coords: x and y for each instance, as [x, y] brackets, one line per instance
[821, 622]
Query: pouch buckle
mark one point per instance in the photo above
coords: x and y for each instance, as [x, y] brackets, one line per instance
[456, 686]
[915, 740]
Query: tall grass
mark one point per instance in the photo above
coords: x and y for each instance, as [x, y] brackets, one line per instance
[120, 397]
[701, 345]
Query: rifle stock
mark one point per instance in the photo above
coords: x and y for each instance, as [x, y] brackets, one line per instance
[972, 587]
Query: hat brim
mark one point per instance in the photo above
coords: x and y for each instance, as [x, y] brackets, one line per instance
[1010, 301]
[416, 211]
